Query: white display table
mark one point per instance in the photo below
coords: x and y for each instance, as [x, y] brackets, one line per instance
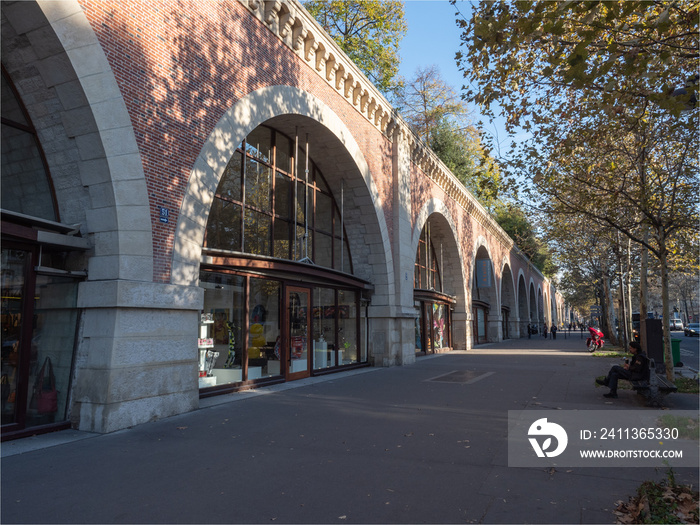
[234, 375]
[228, 375]
[207, 381]
[273, 368]
[299, 365]
[323, 358]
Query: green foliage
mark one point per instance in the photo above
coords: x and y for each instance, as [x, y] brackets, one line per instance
[688, 385]
[463, 154]
[612, 351]
[436, 115]
[625, 51]
[369, 32]
[521, 229]
[687, 426]
[666, 502]
[592, 83]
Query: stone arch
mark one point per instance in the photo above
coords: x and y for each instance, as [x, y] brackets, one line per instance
[436, 208]
[534, 317]
[523, 306]
[284, 108]
[509, 312]
[454, 279]
[541, 315]
[484, 293]
[95, 162]
[553, 309]
[547, 309]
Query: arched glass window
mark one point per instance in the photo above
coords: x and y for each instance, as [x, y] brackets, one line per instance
[427, 268]
[26, 185]
[39, 288]
[433, 314]
[262, 207]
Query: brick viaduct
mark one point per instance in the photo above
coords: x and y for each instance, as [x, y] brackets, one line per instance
[140, 105]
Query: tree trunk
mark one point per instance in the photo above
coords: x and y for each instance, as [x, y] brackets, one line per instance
[628, 283]
[607, 312]
[643, 286]
[666, 306]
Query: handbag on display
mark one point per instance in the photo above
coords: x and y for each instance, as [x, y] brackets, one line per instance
[45, 397]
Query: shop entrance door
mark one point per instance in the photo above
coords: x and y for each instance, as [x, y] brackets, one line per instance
[299, 332]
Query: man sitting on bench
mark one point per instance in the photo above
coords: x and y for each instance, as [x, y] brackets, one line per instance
[638, 368]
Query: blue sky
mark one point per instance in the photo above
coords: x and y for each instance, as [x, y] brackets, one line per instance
[433, 39]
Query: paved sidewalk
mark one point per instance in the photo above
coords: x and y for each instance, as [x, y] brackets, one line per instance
[390, 445]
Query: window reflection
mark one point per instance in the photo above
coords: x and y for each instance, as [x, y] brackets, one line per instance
[347, 327]
[257, 232]
[324, 328]
[259, 200]
[224, 225]
[230, 186]
[264, 328]
[257, 185]
[259, 144]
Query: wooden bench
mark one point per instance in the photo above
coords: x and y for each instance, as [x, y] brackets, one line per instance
[655, 388]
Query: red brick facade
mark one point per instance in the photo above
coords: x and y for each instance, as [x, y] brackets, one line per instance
[180, 66]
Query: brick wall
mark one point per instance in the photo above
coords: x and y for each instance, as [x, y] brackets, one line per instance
[180, 66]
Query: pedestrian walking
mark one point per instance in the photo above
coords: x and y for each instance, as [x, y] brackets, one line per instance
[544, 331]
[554, 331]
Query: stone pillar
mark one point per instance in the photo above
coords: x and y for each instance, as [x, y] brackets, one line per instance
[494, 329]
[470, 330]
[461, 332]
[137, 361]
[394, 325]
[392, 338]
[514, 327]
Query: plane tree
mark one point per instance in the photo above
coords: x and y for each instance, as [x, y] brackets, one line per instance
[611, 138]
[369, 32]
[640, 181]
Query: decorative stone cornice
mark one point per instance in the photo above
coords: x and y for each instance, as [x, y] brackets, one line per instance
[307, 39]
[436, 170]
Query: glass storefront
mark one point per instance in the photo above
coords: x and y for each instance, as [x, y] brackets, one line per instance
[420, 348]
[324, 328]
[433, 326]
[254, 328]
[439, 325]
[480, 315]
[39, 314]
[277, 304]
[239, 329]
[39, 321]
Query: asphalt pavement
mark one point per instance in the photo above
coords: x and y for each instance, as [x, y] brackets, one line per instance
[424, 443]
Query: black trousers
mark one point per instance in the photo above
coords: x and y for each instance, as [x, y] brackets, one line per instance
[617, 372]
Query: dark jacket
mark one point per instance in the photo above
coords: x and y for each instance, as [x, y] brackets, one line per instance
[639, 367]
